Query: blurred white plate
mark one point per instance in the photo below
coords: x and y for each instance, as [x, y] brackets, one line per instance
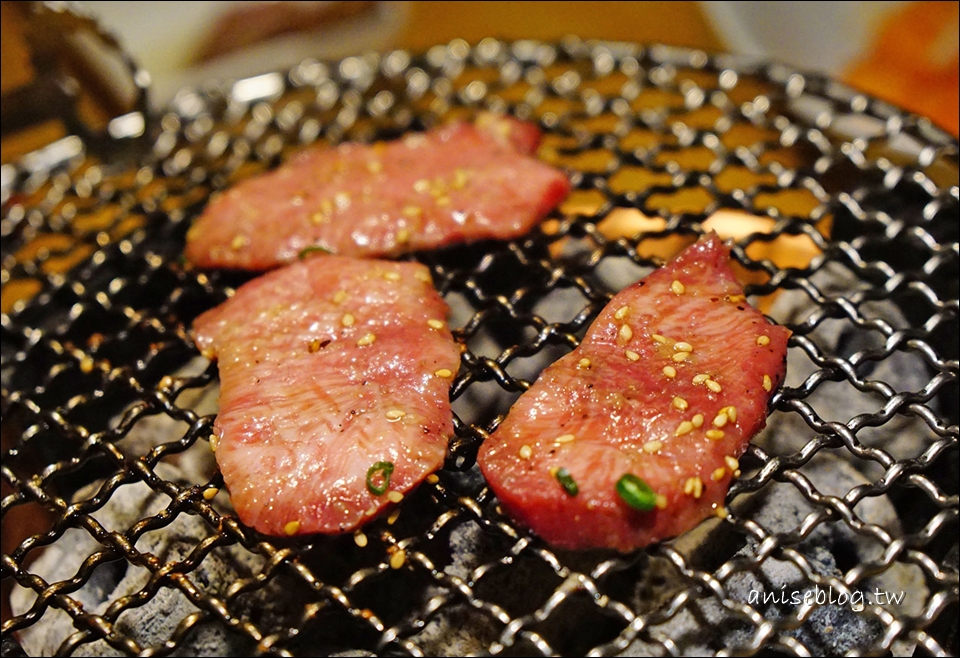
[810, 36]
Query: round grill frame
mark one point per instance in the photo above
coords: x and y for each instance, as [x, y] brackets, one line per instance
[97, 341]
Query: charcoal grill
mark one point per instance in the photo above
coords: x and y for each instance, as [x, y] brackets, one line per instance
[843, 212]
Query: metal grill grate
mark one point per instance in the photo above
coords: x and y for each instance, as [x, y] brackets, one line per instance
[844, 212]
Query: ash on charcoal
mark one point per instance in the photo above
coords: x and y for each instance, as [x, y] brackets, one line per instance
[518, 588]
[902, 435]
[147, 432]
[153, 623]
[779, 587]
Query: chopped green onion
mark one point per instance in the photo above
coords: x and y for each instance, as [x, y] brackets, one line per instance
[314, 249]
[636, 493]
[566, 481]
[384, 470]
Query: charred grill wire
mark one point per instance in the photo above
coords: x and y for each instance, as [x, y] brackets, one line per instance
[840, 534]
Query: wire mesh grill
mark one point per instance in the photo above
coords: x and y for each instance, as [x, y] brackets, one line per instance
[844, 215]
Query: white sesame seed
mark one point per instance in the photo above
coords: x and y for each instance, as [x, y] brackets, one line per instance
[395, 414]
[693, 486]
[583, 363]
[680, 403]
[211, 493]
[721, 419]
[631, 355]
[397, 559]
[731, 412]
[680, 357]
[732, 463]
[697, 420]
[291, 528]
[701, 378]
[652, 446]
[433, 478]
[669, 371]
[767, 383]
[394, 515]
[657, 338]
[714, 435]
[526, 452]
[348, 320]
[684, 427]
[763, 340]
[359, 539]
[683, 346]
[367, 339]
[626, 333]
[677, 288]
[340, 297]
[566, 438]
[720, 512]
[660, 501]
[391, 276]
[714, 386]
[718, 474]
[444, 372]
[394, 496]
[239, 241]
[622, 312]
[460, 178]
[435, 324]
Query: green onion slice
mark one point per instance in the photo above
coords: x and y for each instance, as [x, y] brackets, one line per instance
[636, 493]
[380, 471]
[566, 481]
[306, 251]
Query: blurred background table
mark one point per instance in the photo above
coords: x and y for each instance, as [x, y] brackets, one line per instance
[675, 23]
[905, 52]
